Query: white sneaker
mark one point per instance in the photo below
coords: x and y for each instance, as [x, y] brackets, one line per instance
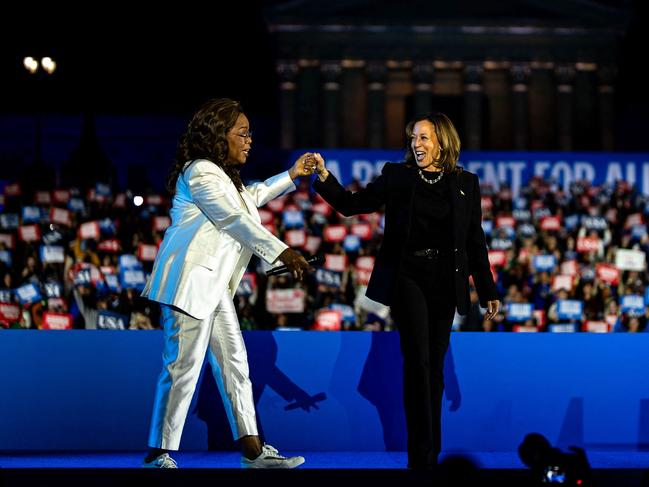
[162, 461]
[270, 458]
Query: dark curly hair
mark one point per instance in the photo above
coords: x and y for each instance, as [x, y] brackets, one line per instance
[205, 138]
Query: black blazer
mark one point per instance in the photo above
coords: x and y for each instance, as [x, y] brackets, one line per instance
[394, 188]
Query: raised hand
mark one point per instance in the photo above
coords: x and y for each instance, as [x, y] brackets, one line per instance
[305, 165]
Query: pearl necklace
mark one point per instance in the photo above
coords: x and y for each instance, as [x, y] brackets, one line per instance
[432, 181]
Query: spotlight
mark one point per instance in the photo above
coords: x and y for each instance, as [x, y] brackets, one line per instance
[550, 465]
[138, 200]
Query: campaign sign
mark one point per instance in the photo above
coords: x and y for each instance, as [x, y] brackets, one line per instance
[518, 311]
[362, 230]
[132, 279]
[52, 254]
[108, 320]
[608, 273]
[129, 261]
[111, 245]
[29, 233]
[328, 320]
[57, 321]
[61, 216]
[563, 328]
[346, 311]
[5, 256]
[594, 223]
[89, 230]
[31, 214]
[42, 198]
[61, 196]
[522, 215]
[630, 260]
[639, 231]
[77, 205]
[29, 293]
[6, 296]
[293, 219]
[102, 189]
[9, 313]
[632, 303]
[247, 285]
[505, 221]
[13, 189]
[321, 209]
[334, 233]
[285, 300]
[328, 278]
[107, 226]
[147, 252]
[587, 244]
[569, 268]
[312, 244]
[335, 262]
[596, 327]
[571, 222]
[501, 244]
[570, 309]
[112, 283]
[551, 223]
[544, 262]
[352, 243]
[295, 238]
[487, 226]
[497, 258]
[82, 277]
[53, 289]
[9, 221]
[161, 223]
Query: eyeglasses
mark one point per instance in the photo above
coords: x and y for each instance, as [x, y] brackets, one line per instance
[245, 135]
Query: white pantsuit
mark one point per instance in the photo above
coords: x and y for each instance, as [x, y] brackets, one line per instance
[214, 232]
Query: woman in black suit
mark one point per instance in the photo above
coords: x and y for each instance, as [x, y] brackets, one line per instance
[433, 241]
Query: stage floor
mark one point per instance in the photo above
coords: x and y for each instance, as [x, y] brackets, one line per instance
[599, 459]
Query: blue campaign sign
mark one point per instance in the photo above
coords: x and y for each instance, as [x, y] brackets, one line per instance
[31, 214]
[53, 289]
[293, 219]
[512, 168]
[518, 311]
[570, 309]
[501, 243]
[328, 278]
[545, 262]
[526, 230]
[77, 205]
[639, 231]
[632, 303]
[107, 320]
[129, 261]
[9, 221]
[132, 279]
[487, 226]
[112, 283]
[522, 215]
[594, 223]
[352, 243]
[6, 296]
[563, 328]
[5, 256]
[102, 189]
[107, 227]
[29, 293]
[346, 310]
[571, 222]
[52, 237]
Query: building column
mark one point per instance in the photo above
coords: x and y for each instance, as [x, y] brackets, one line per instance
[542, 106]
[606, 77]
[520, 78]
[586, 97]
[564, 75]
[287, 71]
[308, 103]
[354, 103]
[422, 76]
[376, 104]
[496, 83]
[330, 103]
[473, 97]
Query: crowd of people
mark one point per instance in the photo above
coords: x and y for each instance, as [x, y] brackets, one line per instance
[562, 261]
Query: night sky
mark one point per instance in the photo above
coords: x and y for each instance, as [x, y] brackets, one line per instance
[119, 58]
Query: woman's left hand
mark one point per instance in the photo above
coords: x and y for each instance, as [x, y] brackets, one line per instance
[492, 309]
[304, 166]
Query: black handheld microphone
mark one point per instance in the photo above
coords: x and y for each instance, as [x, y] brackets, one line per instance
[315, 260]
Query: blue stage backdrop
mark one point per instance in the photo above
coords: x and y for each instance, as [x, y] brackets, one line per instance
[93, 390]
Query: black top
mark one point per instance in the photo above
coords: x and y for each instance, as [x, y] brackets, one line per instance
[432, 214]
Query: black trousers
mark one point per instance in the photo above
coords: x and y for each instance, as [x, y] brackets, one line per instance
[423, 306]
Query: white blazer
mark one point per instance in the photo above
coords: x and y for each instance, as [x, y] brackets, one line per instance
[212, 237]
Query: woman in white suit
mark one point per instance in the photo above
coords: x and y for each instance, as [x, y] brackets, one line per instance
[215, 229]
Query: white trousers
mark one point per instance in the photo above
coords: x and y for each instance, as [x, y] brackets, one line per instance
[186, 340]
